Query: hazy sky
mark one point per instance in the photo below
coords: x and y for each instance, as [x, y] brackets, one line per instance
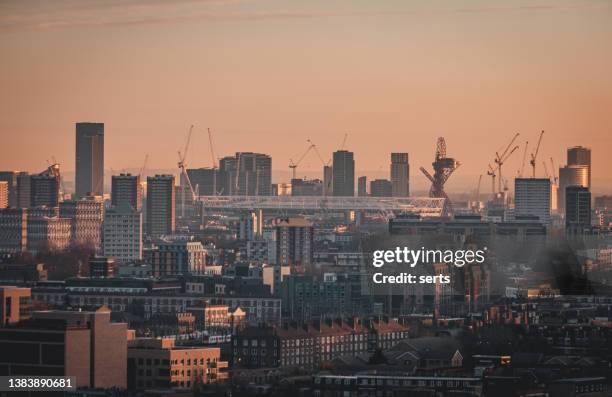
[267, 75]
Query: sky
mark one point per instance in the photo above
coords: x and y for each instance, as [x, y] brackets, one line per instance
[266, 75]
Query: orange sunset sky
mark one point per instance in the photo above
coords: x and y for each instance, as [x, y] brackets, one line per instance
[265, 75]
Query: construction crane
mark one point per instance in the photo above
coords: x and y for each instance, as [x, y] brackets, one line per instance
[545, 170]
[492, 172]
[55, 169]
[522, 169]
[182, 164]
[293, 165]
[212, 150]
[500, 159]
[144, 166]
[478, 188]
[554, 173]
[325, 164]
[535, 155]
[344, 141]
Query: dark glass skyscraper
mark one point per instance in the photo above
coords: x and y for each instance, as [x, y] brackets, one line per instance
[343, 183]
[89, 159]
[579, 155]
[578, 206]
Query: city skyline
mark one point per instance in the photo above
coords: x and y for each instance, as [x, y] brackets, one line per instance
[229, 60]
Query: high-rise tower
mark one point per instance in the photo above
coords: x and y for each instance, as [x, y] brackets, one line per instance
[89, 159]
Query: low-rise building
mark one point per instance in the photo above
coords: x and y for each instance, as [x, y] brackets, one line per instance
[159, 363]
[80, 344]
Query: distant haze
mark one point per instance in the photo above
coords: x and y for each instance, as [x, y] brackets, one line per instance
[267, 75]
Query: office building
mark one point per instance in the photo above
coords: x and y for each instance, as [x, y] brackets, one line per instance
[400, 175]
[294, 241]
[86, 215]
[122, 233]
[532, 198]
[160, 205]
[362, 186]
[159, 363]
[13, 230]
[204, 181]
[328, 180]
[343, 183]
[173, 257]
[580, 156]
[15, 305]
[4, 194]
[381, 188]
[47, 232]
[577, 206]
[89, 177]
[571, 175]
[80, 344]
[45, 187]
[126, 188]
[24, 190]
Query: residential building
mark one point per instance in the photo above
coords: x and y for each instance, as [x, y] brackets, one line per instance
[122, 233]
[309, 344]
[249, 226]
[173, 257]
[294, 241]
[126, 188]
[160, 205]
[205, 181]
[400, 175]
[246, 174]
